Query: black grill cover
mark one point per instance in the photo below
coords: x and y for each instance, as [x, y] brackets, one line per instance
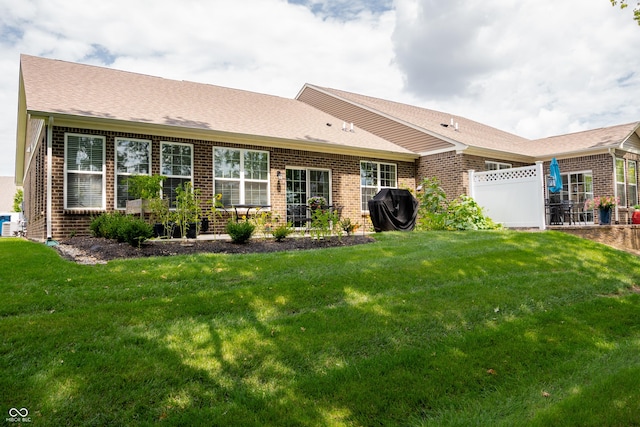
[393, 209]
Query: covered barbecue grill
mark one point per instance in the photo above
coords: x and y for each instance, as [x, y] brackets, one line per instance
[392, 209]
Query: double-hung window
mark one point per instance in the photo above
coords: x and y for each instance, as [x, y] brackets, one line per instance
[241, 176]
[84, 171]
[176, 163]
[133, 157]
[632, 175]
[373, 178]
[620, 182]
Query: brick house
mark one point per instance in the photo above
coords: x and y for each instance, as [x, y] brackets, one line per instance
[82, 130]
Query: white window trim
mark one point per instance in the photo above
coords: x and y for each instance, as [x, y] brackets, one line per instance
[623, 182]
[499, 165]
[190, 177]
[241, 179]
[306, 168]
[631, 203]
[115, 162]
[103, 173]
[377, 186]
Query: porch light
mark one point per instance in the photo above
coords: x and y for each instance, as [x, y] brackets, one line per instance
[279, 176]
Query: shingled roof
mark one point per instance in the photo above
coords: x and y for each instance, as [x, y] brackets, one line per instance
[596, 139]
[476, 137]
[71, 90]
[437, 123]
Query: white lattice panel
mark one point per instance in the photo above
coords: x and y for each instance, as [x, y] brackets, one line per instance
[506, 175]
[513, 197]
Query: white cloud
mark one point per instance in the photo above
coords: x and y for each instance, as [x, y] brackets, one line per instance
[534, 67]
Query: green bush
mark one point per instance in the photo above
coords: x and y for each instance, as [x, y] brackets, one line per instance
[463, 213]
[282, 231]
[123, 228]
[240, 231]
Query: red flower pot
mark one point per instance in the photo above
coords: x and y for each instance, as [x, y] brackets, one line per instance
[635, 218]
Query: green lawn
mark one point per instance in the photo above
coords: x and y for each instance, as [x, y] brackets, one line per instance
[418, 329]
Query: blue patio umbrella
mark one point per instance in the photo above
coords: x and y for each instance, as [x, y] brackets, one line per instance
[555, 183]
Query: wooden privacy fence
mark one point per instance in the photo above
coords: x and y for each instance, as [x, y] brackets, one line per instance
[512, 197]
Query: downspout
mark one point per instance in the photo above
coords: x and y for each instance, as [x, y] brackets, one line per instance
[50, 241]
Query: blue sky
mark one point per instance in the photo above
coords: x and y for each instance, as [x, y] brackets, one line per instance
[533, 67]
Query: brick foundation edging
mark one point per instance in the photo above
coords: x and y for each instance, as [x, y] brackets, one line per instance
[623, 237]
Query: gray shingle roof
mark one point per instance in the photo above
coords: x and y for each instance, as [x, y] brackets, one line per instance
[91, 92]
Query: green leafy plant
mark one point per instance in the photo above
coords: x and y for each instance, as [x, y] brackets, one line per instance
[323, 222]
[145, 186]
[463, 213]
[216, 211]
[281, 231]
[188, 208]
[18, 198]
[433, 206]
[239, 231]
[264, 223]
[163, 216]
[317, 201]
[348, 227]
[123, 228]
[603, 202]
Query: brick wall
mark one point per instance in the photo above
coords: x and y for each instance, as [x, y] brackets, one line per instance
[452, 170]
[34, 187]
[345, 175]
[603, 171]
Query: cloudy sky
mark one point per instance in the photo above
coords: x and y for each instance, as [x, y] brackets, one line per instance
[532, 67]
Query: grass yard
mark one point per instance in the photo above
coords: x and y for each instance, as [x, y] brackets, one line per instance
[419, 329]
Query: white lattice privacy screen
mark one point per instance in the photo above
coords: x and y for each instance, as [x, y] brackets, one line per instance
[512, 197]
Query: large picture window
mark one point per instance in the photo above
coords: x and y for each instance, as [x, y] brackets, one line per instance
[176, 163]
[241, 176]
[84, 158]
[373, 178]
[133, 157]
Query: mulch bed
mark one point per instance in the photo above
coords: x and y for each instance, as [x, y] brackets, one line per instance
[91, 250]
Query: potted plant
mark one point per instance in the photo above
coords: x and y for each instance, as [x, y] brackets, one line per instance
[348, 226]
[141, 189]
[635, 216]
[188, 211]
[604, 205]
[162, 218]
[316, 202]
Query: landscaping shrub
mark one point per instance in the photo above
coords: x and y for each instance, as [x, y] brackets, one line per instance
[241, 231]
[463, 213]
[123, 228]
[282, 231]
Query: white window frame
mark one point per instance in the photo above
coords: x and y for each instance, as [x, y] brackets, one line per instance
[378, 179]
[102, 173]
[241, 179]
[491, 165]
[633, 181]
[170, 176]
[115, 161]
[308, 170]
[620, 185]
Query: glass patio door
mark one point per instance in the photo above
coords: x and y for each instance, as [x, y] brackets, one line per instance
[578, 187]
[302, 184]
